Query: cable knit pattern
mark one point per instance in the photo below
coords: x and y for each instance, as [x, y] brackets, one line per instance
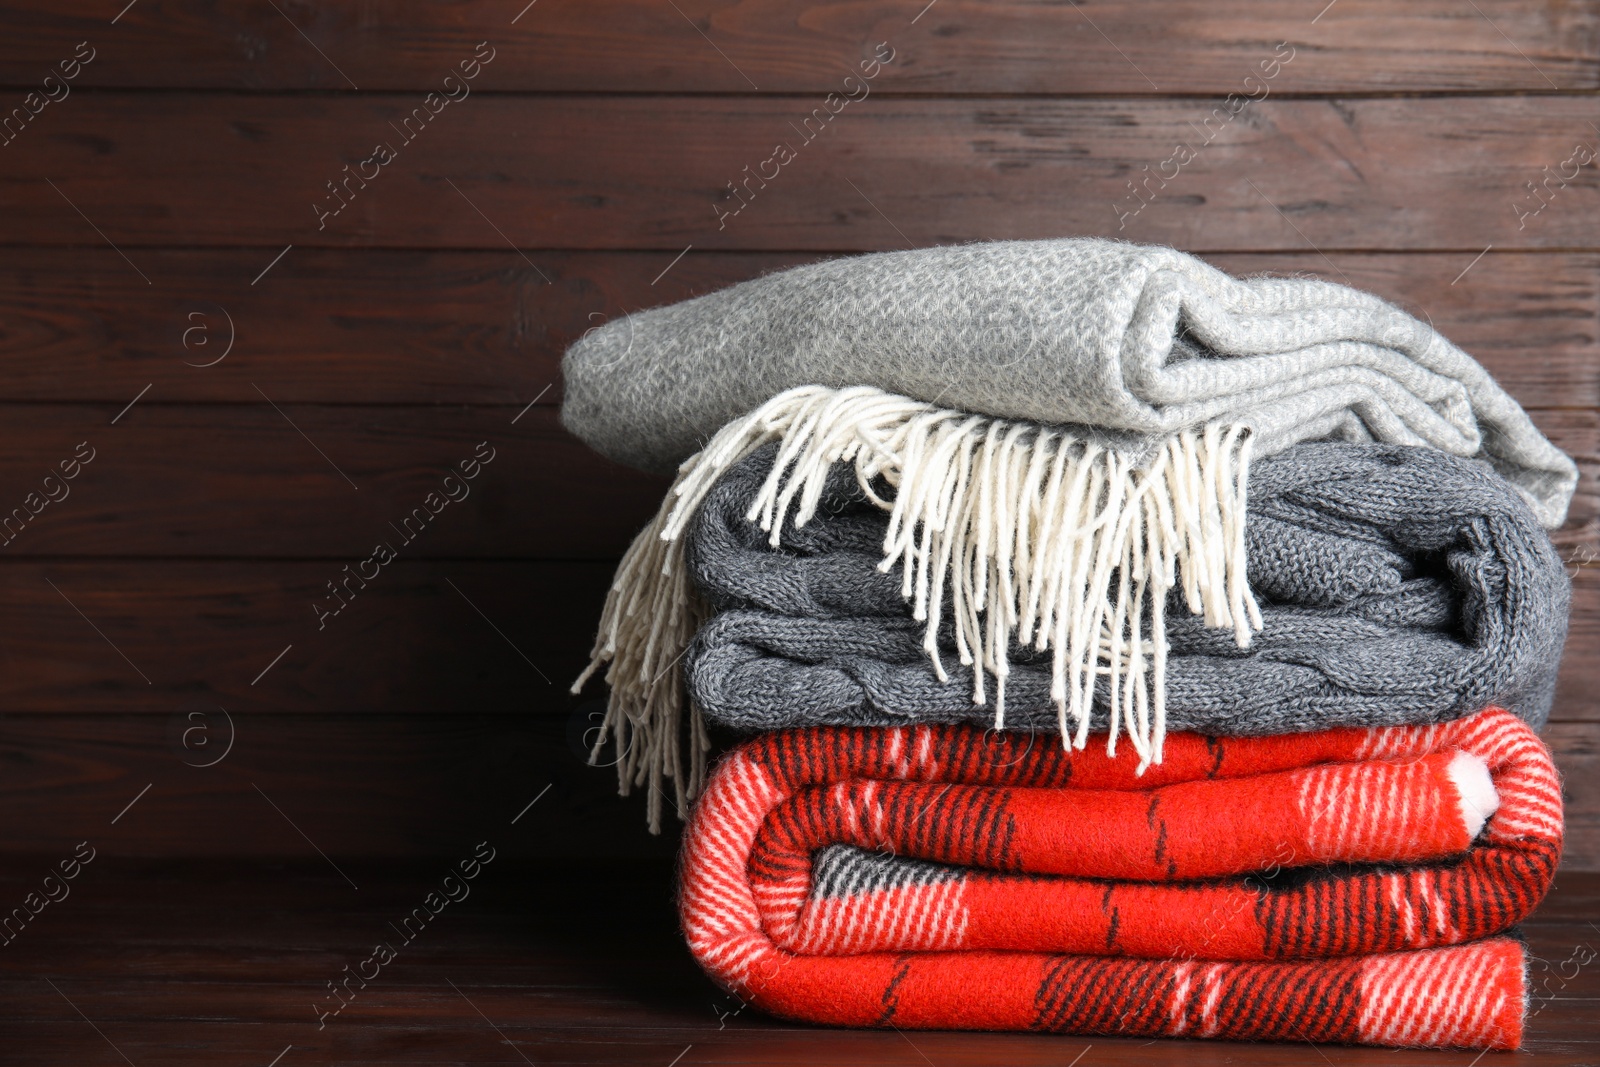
[1087, 332]
[1397, 585]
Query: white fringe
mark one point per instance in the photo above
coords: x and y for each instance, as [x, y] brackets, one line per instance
[1028, 531]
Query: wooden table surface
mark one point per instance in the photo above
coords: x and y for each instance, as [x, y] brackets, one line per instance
[219, 963]
[267, 389]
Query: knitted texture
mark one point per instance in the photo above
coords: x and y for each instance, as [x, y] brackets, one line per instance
[1095, 333]
[1302, 886]
[1020, 528]
[1395, 585]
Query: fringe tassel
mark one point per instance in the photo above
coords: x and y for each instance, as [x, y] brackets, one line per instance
[1028, 532]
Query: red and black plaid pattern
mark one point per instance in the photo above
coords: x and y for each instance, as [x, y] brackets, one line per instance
[869, 876]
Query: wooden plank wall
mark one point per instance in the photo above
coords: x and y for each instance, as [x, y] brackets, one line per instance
[267, 373]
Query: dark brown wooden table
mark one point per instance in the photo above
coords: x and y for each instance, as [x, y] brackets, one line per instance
[224, 963]
[267, 393]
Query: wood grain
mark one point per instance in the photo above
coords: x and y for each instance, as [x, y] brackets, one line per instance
[594, 172]
[253, 479]
[169, 200]
[356, 785]
[957, 46]
[439, 638]
[412, 327]
[574, 963]
[413, 642]
[1578, 687]
[297, 481]
[1569, 429]
[403, 785]
[1577, 750]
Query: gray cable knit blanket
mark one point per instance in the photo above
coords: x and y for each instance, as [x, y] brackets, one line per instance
[1396, 585]
[1081, 332]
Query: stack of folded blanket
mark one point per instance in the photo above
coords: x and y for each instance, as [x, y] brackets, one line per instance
[1112, 646]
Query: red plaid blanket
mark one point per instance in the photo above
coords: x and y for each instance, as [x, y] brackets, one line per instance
[1330, 886]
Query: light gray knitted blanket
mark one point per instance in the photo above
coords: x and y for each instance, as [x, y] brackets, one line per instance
[1081, 332]
[1396, 585]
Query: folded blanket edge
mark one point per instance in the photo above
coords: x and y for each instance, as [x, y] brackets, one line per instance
[1029, 531]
